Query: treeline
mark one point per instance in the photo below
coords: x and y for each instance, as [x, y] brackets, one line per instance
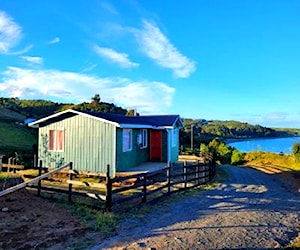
[202, 131]
[41, 108]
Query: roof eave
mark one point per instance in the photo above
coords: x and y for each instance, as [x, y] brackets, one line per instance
[36, 123]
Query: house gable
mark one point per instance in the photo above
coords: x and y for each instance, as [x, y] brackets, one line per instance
[89, 143]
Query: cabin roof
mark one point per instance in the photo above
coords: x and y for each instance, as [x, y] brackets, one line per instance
[145, 121]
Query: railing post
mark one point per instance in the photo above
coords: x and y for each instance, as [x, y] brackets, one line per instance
[169, 177]
[40, 181]
[108, 203]
[185, 174]
[144, 199]
[70, 184]
[198, 172]
[210, 171]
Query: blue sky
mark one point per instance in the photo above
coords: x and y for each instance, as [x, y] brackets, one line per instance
[213, 59]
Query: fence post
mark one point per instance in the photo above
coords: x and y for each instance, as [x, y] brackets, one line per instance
[144, 199]
[210, 171]
[185, 174]
[108, 203]
[169, 177]
[70, 184]
[40, 181]
[198, 173]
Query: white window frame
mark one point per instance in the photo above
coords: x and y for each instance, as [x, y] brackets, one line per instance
[56, 143]
[144, 138]
[127, 139]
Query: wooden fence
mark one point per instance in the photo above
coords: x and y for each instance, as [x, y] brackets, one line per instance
[148, 185]
[37, 179]
[141, 187]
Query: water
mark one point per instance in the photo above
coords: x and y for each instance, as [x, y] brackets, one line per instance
[275, 145]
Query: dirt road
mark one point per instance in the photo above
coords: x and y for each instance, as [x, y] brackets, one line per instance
[249, 211]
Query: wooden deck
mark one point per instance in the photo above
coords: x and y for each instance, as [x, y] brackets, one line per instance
[144, 168]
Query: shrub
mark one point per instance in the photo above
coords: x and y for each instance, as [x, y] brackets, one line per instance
[237, 157]
[296, 151]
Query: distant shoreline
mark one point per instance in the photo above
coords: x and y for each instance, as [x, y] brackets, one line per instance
[233, 140]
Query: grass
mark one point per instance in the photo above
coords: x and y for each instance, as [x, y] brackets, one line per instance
[16, 137]
[279, 162]
[7, 175]
[11, 115]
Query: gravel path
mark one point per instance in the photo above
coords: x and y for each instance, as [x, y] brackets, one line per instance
[249, 211]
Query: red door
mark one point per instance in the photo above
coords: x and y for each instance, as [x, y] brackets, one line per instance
[155, 145]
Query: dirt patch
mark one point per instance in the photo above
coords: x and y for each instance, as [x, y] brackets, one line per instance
[289, 179]
[251, 210]
[31, 222]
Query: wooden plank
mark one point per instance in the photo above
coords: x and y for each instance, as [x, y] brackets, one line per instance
[87, 184]
[12, 166]
[36, 179]
[74, 192]
[126, 188]
[157, 189]
[95, 196]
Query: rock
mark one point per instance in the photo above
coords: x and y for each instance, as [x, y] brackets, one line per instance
[141, 244]
[5, 209]
[24, 218]
[178, 239]
[9, 199]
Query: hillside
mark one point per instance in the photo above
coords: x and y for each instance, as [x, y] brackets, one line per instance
[204, 131]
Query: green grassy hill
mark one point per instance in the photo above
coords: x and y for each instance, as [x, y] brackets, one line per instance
[15, 137]
[9, 115]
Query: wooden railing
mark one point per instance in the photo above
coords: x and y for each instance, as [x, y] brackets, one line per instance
[163, 182]
[35, 180]
[141, 187]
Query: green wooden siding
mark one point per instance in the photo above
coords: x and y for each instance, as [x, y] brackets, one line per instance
[135, 156]
[89, 143]
[174, 145]
[164, 146]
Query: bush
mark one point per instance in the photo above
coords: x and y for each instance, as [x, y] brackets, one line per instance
[296, 151]
[237, 157]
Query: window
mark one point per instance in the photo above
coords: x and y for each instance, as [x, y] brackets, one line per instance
[56, 140]
[127, 140]
[175, 137]
[144, 139]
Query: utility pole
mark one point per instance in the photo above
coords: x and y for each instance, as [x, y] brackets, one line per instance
[192, 138]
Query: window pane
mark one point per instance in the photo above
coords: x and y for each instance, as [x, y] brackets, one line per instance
[56, 140]
[51, 139]
[127, 139]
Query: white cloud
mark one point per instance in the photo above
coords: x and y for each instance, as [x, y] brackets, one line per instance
[157, 46]
[89, 68]
[148, 97]
[33, 59]
[116, 57]
[20, 52]
[109, 7]
[10, 33]
[54, 40]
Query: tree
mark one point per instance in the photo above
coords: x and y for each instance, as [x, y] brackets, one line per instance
[96, 99]
[296, 151]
